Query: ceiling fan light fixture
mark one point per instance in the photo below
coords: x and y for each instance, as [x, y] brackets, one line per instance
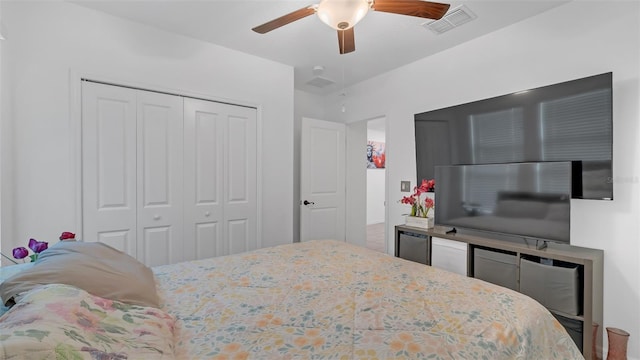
[342, 14]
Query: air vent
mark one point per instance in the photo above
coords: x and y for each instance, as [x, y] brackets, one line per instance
[320, 82]
[456, 17]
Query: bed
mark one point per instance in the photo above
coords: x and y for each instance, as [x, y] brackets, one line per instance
[314, 300]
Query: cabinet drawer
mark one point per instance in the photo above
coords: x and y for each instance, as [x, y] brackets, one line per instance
[449, 255]
[574, 328]
[496, 267]
[413, 247]
[555, 287]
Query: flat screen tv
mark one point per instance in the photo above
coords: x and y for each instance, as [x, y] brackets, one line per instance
[519, 201]
[569, 121]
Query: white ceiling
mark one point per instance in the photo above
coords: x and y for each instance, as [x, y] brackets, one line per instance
[384, 41]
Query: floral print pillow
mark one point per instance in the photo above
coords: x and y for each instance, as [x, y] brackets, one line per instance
[64, 322]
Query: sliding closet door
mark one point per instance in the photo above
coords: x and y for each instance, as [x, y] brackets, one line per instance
[220, 179]
[159, 178]
[167, 178]
[109, 165]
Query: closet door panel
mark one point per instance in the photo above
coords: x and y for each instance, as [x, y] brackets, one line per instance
[240, 179]
[159, 177]
[204, 128]
[121, 240]
[155, 242]
[239, 239]
[208, 240]
[238, 190]
[109, 165]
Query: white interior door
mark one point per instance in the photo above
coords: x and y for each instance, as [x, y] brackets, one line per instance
[322, 180]
[220, 160]
[160, 178]
[109, 165]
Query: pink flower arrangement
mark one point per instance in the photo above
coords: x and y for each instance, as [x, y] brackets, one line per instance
[419, 207]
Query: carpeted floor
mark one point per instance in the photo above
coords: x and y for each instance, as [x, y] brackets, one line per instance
[375, 237]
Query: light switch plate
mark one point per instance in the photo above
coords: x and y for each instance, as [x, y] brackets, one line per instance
[405, 186]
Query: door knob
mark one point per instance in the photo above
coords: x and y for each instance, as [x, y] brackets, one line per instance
[207, 214]
[308, 202]
[156, 217]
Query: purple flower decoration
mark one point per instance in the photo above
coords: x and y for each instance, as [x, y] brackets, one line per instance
[20, 252]
[38, 246]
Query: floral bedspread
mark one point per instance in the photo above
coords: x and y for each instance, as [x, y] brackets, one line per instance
[330, 300]
[63, 322]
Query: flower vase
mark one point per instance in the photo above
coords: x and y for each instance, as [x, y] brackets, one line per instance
[420, 222]
[617, 344]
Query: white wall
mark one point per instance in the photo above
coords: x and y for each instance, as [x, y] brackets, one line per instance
[375, 195]
[5, 151]
[45, 40]
[356, 177]
[375, 185]
[579, 39]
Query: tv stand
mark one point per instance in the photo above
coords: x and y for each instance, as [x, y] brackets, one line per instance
[527, 263]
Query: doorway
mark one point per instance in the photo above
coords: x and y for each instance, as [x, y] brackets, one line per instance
[376, 184]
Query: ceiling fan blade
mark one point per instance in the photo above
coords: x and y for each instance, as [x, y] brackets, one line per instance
[346, 41]
[284, 20]
[419, 8]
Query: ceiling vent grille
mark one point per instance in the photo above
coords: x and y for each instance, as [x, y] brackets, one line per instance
[456, 17]
[320, 82]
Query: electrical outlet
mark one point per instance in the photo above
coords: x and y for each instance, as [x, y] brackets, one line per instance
[405, 186]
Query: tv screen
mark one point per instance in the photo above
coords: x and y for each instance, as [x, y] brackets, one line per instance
[569, 121]
[518, 200]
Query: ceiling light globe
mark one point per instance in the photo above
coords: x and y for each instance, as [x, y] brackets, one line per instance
[342, 14]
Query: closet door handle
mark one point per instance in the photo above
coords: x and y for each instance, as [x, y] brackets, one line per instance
[156, 217]
[207, 214]
[308, 202]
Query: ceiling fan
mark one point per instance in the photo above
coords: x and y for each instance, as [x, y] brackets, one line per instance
[342, 15]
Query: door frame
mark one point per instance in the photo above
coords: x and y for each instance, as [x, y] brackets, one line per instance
[75, 127]
[389, 246]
